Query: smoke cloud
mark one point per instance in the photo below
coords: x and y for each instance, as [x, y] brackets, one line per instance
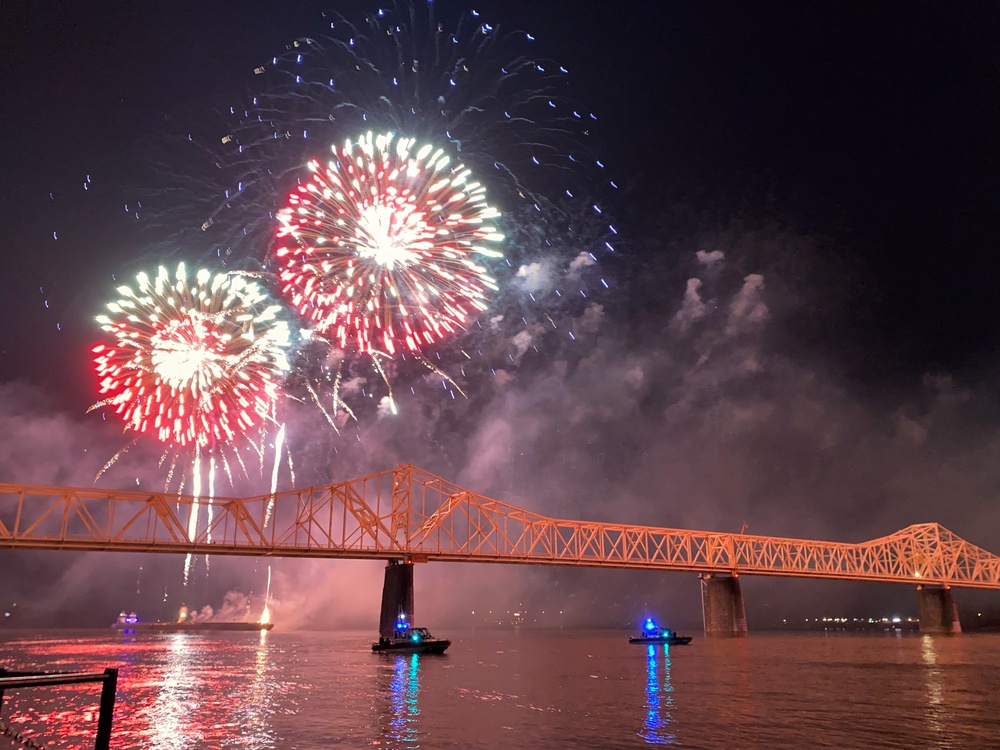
[699, 394]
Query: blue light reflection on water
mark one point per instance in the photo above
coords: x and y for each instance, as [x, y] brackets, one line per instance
[659, 700]
[403, 726]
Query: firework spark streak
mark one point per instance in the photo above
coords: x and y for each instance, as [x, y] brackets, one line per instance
[192, 529]
[278, 444]
[487, 94]
[265, 615]
[211, 505]
[386, 244]
[196, 364]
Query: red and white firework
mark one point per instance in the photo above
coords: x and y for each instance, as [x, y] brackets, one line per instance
[383, 247]
[196, 362]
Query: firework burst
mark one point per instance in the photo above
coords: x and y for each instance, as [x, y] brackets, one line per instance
[387, 242]
[195, 362]
[484, 95]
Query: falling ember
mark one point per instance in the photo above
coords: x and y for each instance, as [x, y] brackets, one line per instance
[196, 364]
[382, 247]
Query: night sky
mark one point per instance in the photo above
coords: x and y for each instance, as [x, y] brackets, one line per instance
[801, 332]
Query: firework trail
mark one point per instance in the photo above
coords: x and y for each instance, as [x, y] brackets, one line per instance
[265, 615]
[278, 445]
[211, 507]
[195, 362]
[192, 528]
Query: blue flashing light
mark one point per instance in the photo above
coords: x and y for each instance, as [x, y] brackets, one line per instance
[650, 625]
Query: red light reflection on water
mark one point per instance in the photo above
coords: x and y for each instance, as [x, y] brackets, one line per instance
[177, 690]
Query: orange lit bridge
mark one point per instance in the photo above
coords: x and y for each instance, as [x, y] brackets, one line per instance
[407, 515]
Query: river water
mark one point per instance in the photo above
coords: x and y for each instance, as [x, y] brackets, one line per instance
[510, 689]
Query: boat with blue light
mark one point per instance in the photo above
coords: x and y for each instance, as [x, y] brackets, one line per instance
[410, 640]
[652, 633]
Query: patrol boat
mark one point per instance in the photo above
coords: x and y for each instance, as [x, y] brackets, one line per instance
[409, 640]
[651, 633]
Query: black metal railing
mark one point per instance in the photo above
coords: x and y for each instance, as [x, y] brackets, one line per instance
[109, 685]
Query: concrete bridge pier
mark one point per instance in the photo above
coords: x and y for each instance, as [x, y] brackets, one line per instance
[722, 605]
[397, 596]
[938, 613]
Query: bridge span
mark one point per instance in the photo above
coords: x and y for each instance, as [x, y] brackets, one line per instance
[406, 515]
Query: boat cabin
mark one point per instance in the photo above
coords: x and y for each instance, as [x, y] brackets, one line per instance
[650, 629]
[404, 632]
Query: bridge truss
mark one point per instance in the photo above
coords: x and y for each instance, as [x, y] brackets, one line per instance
[409, 514]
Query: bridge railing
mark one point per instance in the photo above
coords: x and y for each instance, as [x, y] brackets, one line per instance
[108, 679]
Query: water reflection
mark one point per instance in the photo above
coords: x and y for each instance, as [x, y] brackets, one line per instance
[402, 726]
[933, 679]
[656, 728]
[197, 702]
[166, 727]
[258, 704]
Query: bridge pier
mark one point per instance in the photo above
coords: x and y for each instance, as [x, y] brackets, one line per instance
[722, 605]
[938, 613]
[397, 596]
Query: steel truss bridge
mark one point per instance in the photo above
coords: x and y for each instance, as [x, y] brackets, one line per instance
[409, 514]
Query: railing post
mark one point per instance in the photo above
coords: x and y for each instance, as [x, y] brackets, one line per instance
[107, 711]
[3, 673]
